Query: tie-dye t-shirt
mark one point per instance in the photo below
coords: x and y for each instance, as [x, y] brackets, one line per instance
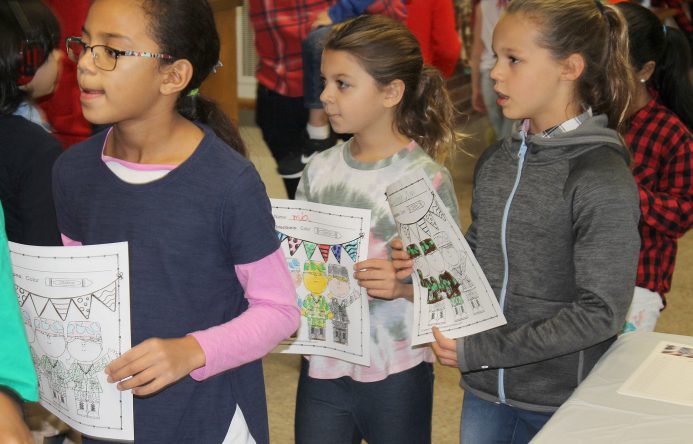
[334, 177]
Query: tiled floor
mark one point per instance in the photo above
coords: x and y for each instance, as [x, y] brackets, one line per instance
[281, 371]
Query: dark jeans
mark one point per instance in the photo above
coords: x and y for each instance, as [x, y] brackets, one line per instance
[312, 47]
[282, 121]
[485, 422]
[343, 411]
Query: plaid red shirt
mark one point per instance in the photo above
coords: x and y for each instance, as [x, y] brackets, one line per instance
[280, 26]
[662, 150]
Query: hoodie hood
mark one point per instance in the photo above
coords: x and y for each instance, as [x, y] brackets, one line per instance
[592, 134]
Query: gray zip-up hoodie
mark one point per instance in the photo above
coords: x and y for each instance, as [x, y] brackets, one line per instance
[567, 222]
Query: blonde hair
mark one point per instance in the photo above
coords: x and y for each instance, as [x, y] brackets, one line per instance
[388, 51]
[597, 32]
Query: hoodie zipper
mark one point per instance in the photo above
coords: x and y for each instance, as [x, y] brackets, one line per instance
[504, 245]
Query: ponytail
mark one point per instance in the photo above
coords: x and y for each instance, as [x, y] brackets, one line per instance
[429, 117]
[671, 79]
[197, 107]
[186, 30]
[615, 93]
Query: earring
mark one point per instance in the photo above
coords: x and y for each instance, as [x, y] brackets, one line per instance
[643, 80]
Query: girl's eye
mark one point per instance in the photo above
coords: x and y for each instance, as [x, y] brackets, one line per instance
[341, 84]
[513, 60]
[110, 52]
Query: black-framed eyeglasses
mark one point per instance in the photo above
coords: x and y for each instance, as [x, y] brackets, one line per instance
[105, 57]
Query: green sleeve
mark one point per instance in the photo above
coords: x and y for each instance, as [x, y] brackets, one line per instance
[16, 367]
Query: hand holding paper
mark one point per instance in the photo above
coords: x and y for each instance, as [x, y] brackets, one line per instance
[378, 277]
[444, 348]
[403, 263]
[155, 363]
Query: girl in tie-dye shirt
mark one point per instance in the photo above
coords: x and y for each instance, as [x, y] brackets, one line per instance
[401, 118]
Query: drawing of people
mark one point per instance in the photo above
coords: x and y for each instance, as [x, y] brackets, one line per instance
[84, 343]
[340, 299]
[31, 337]
[314, 307]
[452, 288]
[295, 270]
[436, 292]
[50, 336]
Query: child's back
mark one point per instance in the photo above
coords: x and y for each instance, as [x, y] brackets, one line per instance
[27, 151]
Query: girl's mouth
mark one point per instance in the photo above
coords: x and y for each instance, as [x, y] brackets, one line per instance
[87, 94]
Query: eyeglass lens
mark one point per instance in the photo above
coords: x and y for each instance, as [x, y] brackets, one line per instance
[103, 58]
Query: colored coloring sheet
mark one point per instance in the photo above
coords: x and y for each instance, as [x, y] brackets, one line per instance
[450, 290]
[321, 244]
[75, 302]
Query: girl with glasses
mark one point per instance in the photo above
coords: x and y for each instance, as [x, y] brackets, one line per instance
[169, 177]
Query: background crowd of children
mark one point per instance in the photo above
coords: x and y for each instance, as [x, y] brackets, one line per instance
[576, 208]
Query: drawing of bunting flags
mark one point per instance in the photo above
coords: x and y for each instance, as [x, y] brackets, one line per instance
[107, 297]
[39, 303]
[281, 236]
[310, 248]
[61, 306]
[337, 252]
[83, 304]
[293, 244]
[22, 295]
[325, 251]
[352, 248]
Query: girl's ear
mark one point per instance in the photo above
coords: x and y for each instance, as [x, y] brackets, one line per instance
[393, 93]
[646, 72]
[573, 66]
[176, 76]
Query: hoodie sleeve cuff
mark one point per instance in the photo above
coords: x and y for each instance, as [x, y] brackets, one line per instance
[461, 360]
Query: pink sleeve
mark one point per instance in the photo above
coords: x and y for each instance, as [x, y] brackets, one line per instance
[272, 316]
[69, 242]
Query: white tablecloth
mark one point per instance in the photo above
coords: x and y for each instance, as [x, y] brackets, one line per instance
[595, 413]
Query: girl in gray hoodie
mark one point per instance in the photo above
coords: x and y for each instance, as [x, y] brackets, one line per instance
[554, 217]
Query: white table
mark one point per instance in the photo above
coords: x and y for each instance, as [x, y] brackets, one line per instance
[596, 413]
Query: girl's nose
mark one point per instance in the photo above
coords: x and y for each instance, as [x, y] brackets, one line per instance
[325, 96]
[85, 63]
[495, 72]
